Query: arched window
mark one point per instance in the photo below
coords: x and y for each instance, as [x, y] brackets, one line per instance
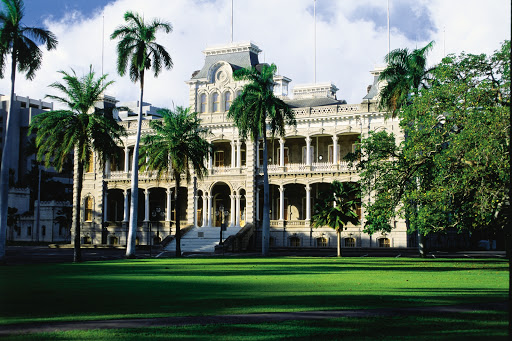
[294, 241]
[238, 93]
[384, 242]
[350, 242]
[321, 242]
[88, 209]
[203, 103]
[216, 103]
[227, 100]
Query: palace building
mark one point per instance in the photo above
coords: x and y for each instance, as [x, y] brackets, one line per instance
[301, 166]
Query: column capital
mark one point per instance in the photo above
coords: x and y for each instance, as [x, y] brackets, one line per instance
[308, 139]
[125, 192]
[308, 188]
[281, 140]
[281, 188]
[168, 190]
[335, 137]
[146, 191]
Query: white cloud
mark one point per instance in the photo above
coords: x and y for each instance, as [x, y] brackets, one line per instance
[347, 49]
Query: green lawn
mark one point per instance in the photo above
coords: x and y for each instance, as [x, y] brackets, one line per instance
[206, 286]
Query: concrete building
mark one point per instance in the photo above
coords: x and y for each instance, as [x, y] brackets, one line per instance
[301, 166]
[24, 177]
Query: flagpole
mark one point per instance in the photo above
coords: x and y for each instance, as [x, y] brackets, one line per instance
[314, 39]
[231, 21]
[389, 36]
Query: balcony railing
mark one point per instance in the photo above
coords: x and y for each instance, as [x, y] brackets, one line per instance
[223, 170]
[122, 175]
[342, 166]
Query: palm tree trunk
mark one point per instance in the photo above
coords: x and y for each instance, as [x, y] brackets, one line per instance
[178, 219]
[338, 237]
[265, 229]
[4, 172]
[132, 224]
[77, 251]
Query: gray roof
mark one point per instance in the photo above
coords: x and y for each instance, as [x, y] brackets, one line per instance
[374, 90]
[312, 102]
[238, 60]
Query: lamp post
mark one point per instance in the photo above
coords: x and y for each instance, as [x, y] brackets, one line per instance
[221, 214]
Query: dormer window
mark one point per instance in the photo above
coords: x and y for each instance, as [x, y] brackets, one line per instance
[203, 103]
[227, 100]
[216, 103]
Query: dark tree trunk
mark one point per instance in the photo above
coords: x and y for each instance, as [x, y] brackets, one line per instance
[178, 218]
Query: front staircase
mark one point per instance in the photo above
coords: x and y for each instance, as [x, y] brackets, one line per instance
[202, 239]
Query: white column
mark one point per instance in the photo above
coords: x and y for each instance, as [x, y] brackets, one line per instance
[126, 159]
[308, 202]
[209, 210]
[334, 149]
[105, 204]
[210, 161]
[237, 210]
[233, 154]
[168, 209]
[125, 192]
[257, 204]
[257, 158]
[146, 202]
[238, 154]
[308, 151]
[281, 202]
[107, 167]
[205, 208]
[195, 210]
[281, 152]
[233, 209]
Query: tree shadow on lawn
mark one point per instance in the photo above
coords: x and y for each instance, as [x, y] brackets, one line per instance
[460, 326]
[144, 296]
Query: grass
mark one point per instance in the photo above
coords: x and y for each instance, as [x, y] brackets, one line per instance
[214, 286]
[465, 326]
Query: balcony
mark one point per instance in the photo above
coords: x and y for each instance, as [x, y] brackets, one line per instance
[318, 167]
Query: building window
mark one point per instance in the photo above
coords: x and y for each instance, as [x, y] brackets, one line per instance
[219, 158]
[331, 153]
[90, 164]
[87, 240]
[384, 242]
[227, 100]
[43, 230]
[216, 103]
[321, 242]
[272, 241]
[88, 209]
[350, 242]
[203, 103]
[295, 242]
[238, 93]
[29, 230]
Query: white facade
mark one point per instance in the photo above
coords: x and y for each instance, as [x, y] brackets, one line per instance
[301, 165]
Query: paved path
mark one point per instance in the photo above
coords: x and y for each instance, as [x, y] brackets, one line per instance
[244, 318]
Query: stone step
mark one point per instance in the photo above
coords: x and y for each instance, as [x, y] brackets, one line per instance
[202, 239]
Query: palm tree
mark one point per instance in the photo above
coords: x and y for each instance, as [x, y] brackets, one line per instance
[21, 42]
[405, 73]
[81, 129]
[337, 207]
[250, 112]
[138, 48]
[178, 144]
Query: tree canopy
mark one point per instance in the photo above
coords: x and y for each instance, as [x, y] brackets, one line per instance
[452, 168]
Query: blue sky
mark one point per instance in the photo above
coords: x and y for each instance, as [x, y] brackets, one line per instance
[38, 10]
[351, 38]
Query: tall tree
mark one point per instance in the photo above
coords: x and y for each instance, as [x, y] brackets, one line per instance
[81, 129]
[21, 42]
[405, 74]
[250, 112]
[452, 171]
[177, 144]
[337, 207]
[137, 51]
